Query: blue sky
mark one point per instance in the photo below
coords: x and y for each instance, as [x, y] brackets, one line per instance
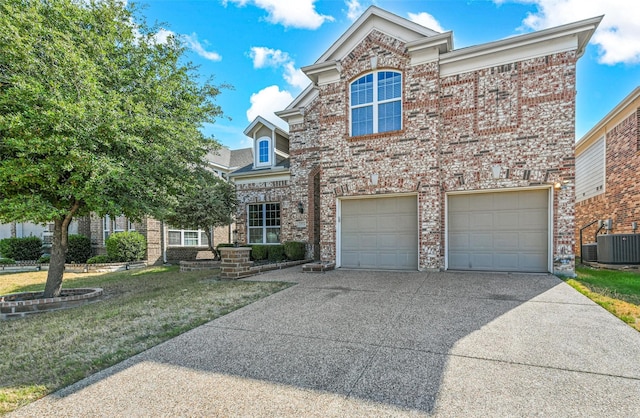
[258, 46]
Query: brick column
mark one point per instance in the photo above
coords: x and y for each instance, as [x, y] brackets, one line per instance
[235, 262]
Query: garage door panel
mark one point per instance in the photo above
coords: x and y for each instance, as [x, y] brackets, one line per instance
[506, 240]
[533, 241]
[533, 201]
[505, 231]
[505, 220]
[481, 261]
[460, 220]
[480, 241]
[480, 220]
[460, 241]
[380, 233]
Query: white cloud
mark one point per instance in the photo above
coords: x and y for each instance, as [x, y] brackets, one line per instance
[266, 57]
[267, 101]
[617, 36]
[300, 14]
[294, 76]
[354, 9]
[193, 43]
[426, 20]
[162, 36]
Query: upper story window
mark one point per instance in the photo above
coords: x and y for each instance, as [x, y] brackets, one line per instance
[263, 151]
[376, 103]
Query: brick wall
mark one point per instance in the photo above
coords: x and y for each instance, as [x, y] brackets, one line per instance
[621, 199]
[518, 116]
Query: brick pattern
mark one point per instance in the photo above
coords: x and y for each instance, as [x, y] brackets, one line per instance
[621, 199]
[235, 263]
[518, 116]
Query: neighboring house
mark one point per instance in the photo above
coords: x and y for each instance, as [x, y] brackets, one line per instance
[405, 153]
[164, 243]
[607, 171]
[29, 229]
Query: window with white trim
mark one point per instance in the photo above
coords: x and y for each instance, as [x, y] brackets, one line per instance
[263, 222]
[376, 103]
[263, 151]
[112, 225]
[187, 238]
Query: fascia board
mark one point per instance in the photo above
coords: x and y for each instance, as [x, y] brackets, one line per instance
[627, 101]
[373, 13]
[571, 36]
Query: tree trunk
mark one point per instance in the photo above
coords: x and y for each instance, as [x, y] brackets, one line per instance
[59, 246]
[207, 230]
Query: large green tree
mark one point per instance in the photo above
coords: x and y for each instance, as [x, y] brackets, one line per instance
[95, 116]
[210, 202]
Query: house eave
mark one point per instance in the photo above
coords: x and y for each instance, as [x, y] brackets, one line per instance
[587, 138]
[572, 36]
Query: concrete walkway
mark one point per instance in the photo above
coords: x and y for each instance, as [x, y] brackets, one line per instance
[354, 343]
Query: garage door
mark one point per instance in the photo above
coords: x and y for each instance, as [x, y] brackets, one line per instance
[505, 231]
[379, 233]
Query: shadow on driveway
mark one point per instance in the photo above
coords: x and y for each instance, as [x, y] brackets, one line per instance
[354, 343]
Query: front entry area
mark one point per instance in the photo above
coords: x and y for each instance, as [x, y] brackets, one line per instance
[379, 233]
[500, 231]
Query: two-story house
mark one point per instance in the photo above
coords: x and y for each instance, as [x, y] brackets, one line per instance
[405, 153]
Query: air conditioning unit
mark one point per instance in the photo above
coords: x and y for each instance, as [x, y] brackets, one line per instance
[589, 252]
[619, 249]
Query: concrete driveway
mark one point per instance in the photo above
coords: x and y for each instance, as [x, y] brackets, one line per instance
[356, 343]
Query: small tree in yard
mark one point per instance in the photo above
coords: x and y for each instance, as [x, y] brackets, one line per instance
[210, 202]
[96, 116]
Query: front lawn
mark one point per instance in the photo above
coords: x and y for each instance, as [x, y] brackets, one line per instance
[45, 352]
[616, 291]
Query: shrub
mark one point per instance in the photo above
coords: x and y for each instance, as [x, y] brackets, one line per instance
[79, 249]
[98, 259]
[295, 250]
[259, 252]
[276, 252]
[44, 259]
[126, 246]
[7, 261]
[28, 248]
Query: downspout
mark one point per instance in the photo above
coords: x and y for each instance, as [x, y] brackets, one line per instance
[163, 243]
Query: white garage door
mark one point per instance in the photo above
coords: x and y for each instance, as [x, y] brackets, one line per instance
[379, 233]
[505, 231]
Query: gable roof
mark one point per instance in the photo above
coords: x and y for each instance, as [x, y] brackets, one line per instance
[259, 120]
[425, 45]
[626, 107]
[381, 20]
[230, 160]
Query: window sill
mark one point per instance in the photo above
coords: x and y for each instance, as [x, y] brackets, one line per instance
[389, 134]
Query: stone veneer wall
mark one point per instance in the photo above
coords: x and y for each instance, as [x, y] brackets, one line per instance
[621, 198]
[518, 116]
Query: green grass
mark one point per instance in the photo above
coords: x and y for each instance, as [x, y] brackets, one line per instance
[45, 352]
[623, 285]
[616, 291]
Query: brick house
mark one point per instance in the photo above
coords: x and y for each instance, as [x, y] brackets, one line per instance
[405, 153]
[164, 243]
[607, 167]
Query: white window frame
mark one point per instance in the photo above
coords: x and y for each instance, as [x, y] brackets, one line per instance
[269, 161]
[375, 103]
[201, 242]
[264, 225]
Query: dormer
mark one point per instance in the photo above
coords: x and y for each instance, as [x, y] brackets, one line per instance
[270, 143]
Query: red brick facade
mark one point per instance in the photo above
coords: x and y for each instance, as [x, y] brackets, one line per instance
[620, 201]
[456, 128]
